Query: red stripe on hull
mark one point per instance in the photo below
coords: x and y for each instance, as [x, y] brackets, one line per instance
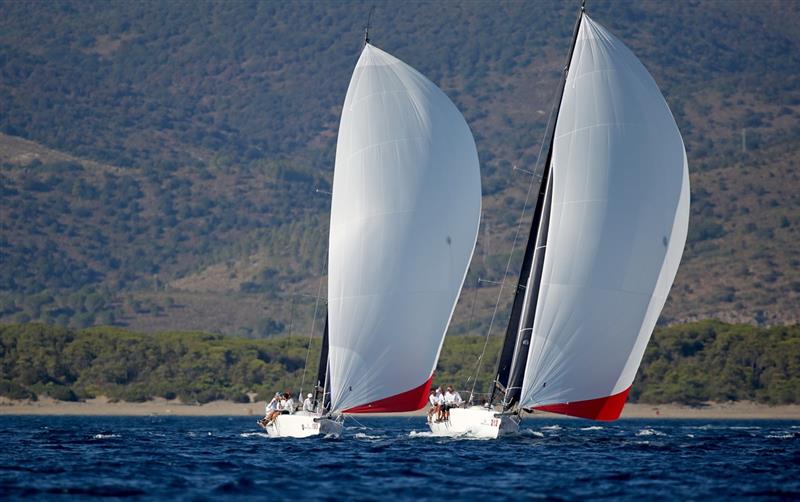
[410, 400]
[604, 408]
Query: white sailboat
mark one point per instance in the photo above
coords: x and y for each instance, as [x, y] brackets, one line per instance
[607, 237]
[405, 212]
[301, 424]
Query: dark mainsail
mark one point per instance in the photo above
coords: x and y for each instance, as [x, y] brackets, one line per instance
[514, 354]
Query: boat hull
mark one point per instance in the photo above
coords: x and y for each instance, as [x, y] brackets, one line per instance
[302, 425]
[477, 422]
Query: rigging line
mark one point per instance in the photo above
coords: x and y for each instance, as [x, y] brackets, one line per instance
[513, 247]
[472, 316]
[311, 334]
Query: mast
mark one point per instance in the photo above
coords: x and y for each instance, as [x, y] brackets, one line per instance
[322, 372]
[367, 27]
[514, 354]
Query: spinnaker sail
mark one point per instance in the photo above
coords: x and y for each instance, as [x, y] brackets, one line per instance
[405, 212]
[617, 227]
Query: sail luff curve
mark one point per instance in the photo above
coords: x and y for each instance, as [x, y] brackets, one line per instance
[404, 221]
[618, 226]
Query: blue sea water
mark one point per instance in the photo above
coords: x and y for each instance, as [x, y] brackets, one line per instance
[395, 458]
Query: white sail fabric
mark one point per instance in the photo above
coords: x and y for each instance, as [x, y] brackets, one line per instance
[404, 221]
[618, 226]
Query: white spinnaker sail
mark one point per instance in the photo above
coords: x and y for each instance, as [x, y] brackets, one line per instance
[617, 230]
[404, 221]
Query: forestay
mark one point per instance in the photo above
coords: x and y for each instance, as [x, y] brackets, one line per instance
[404, 221]
[618, 223]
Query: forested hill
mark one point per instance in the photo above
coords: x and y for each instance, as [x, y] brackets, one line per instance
[165, 165]
[688, 363]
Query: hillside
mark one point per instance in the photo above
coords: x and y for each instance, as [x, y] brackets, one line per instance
[686, 363]
[159, 163]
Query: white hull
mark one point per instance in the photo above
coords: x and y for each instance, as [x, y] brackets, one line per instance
[302, 425]
[476, 421]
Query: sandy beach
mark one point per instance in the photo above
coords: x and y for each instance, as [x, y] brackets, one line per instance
[161, 407]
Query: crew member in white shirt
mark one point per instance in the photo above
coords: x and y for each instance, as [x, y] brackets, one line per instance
[273, 409]
[452, 399]
[288, 404]
[448, 402]
[432, 401]
[457, 399]
[439, 405]
[308, 404]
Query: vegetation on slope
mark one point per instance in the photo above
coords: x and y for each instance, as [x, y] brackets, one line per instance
[688, 363]
[158, 158]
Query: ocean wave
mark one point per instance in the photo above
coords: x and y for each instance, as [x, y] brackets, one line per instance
[551, 428]
[592, 428]
[106, 436]
[650, 432]
[785, 435]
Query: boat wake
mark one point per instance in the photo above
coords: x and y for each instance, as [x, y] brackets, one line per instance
[422, 434]
[531, 432]
[362, 435]
[457, 437]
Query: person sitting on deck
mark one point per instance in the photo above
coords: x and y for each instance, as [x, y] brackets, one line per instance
[273, 409]
[308, 404]
[439, 405]
[452, 399]
[448, 402]
[434, 407]
[288, 404]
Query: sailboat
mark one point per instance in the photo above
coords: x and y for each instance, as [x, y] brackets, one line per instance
[301, 424]
[405, 212]
[608, 232]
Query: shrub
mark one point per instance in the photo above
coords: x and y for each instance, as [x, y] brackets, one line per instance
[13, 390]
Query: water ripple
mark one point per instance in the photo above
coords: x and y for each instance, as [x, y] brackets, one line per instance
[213, 458]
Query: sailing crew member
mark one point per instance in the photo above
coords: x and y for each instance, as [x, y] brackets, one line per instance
[448, 402]
[308, 404]
[288, 405]
[439, 405]
[274, 408]
[434, 407]
[452, 399]
[273, 405]
[457, 398]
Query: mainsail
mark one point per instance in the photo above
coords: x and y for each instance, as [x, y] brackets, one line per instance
[404, 221]
[618, 219]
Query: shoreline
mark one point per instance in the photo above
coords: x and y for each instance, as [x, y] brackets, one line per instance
[101, 406]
